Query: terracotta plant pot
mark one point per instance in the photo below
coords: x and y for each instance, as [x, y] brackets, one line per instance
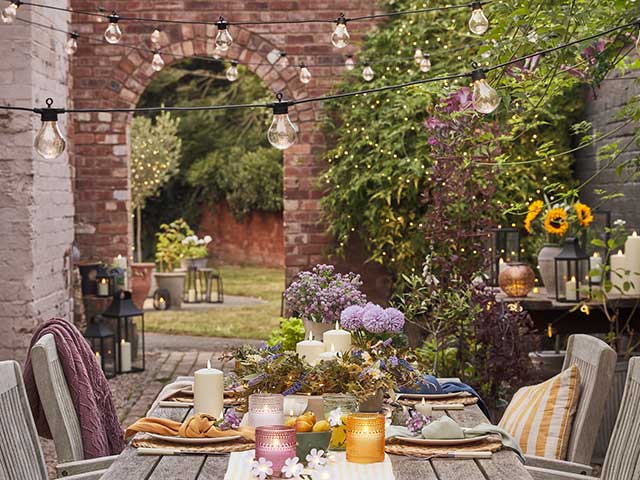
[316, 328]
[546, 266]
[517, 279]
[141, 276]
[174, 283]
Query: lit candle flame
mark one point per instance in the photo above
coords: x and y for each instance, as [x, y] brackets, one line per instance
[209, 364]
[634, 234]
[310, 336]
[619, 252]
[573, 278]
[596, 255]
[337, 325]
[423, 402]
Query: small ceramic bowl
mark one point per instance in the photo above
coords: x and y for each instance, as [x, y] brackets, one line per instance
[306, 441]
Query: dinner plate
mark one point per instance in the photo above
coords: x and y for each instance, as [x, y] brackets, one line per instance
[433, 442]
[431, 396]
[193, 441]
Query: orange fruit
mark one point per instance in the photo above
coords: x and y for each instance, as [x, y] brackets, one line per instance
[303, 426]
[322, 426]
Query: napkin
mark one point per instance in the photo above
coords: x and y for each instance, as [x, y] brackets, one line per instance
[444, 428]
[196, 426]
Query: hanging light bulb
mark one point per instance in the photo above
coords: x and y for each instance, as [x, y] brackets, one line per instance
[425, 63]
[232, 72]
[72, 44]
[349, 63]
[283, 61]
[157, 63]
[282, 132]
[113, 34]
[9, 14]
[223, 38]
[418, 56]
[49, 142]
[305, 74]
[478, 23]
[155, 37]
[485, 99]
[340, 36]
[367, 72]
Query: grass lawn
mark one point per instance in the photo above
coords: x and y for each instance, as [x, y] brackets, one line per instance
[255, 322]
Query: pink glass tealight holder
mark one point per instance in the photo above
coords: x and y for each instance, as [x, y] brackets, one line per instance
[275, 443]
[266, 409]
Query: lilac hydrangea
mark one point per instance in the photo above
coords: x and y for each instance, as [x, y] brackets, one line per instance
[351, 317]
[372, 318]
[396, 320]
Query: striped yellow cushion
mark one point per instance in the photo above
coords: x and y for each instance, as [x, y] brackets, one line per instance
[540, 417]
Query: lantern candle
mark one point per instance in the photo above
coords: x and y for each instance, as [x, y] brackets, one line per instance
[266, 409]
[501, 266]
[338, 338]
[125, 356]
[365, 438]
[103, 287]
[571, 292]
[276, 444]
[618, 268]
[632, 254]
[595, 263]
[208, 391]
[310, 349]
[192, 295]
[336, 407]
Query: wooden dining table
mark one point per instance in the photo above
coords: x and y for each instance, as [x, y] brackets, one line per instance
[504, 464]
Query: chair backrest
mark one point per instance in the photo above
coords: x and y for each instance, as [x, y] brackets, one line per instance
[623, 456]
[20, 453]
[56, 400]
[596, 362]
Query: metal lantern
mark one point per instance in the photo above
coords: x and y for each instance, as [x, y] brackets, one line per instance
[105, 283]
[504, 248]
[102, 340]
[573, 282]
[129, 329]
[162, 299]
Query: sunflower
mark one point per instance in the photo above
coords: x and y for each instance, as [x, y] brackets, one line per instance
[534, 210]
[555, 222]
[584, 214]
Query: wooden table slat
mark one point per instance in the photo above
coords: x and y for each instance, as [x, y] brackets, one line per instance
[215, 467]
[186, 467]
[457, 469]
[501, 467]
[407, 468]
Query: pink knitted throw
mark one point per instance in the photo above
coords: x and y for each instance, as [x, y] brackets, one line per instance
[90, 393]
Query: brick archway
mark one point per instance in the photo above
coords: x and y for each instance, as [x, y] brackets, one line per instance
[112, 76]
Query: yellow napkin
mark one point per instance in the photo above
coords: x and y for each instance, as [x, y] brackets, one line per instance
[444, 428]
[196, 426]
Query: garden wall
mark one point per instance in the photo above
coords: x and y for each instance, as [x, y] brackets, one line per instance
[257, 240]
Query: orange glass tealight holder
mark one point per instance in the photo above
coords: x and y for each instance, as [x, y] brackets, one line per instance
[365, 438]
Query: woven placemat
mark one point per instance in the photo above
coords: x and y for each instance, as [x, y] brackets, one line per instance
[398, 447]
[226, 447]
[228, 402]
[410, 402]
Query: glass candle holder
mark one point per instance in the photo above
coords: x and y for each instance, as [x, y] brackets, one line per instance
[275, 443]
[365, 438]
[337, 407]
[266, 409]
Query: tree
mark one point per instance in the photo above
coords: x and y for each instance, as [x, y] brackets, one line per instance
[155, 155]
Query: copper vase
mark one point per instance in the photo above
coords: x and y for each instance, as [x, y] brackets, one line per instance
[517, 279]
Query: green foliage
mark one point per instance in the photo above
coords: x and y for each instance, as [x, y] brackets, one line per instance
[169, 246]
[288, 334]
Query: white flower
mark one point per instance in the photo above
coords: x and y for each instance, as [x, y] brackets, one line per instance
[261, 469]
[366, 357]
[292, 469]
[375, 373]
[619, 222]
[315, 458]
[207, 239]
[335, 417]
[185, 241]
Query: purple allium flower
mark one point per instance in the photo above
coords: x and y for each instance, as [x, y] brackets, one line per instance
[396, 320]
[351, 317]
[417, 422]
[375, 319]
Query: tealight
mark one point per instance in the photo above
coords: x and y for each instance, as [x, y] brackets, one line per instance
[365, 438]
[266, 409]
[276, 444]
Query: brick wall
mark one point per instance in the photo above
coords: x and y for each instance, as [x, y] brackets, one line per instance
[110, 76]
[36, 201]
[257, 240]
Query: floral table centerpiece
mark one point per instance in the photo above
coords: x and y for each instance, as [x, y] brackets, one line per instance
[319, 296]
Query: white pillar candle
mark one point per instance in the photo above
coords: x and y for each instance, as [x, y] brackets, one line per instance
[632, 254]
[310, 349]
[103, 287]
[339, 339]
[208, 391]
[595, 263]
[570, 289]
[618, 276]
[330, 355]
[424, 408]
[125, 356]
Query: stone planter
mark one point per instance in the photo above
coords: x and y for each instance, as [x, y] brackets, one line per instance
[547, 362]
[373, 404]
[141, 275]
[546, 266]
[316, 328]
[187, 263]
[174, 283]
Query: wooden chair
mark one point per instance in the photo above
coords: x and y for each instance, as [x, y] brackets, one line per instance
[60, 412]
[596, 362]
[622, 461]
[21, 456]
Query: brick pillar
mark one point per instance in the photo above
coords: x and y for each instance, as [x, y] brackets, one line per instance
[36, 200]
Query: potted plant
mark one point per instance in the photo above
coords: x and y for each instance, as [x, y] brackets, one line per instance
[319, 296]
[195, 251]
[169, 252]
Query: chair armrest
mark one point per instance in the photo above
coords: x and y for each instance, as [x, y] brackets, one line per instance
[97, 475]
[561, 465]
[544, 474]
[84, 466]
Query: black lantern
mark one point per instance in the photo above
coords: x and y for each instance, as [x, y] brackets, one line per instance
[504, 248]
[88, 272]
[129, 329]
[102, 340]
[105, 283]
[573, 282]
[162, 299]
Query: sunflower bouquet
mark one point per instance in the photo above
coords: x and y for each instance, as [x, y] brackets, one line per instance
[557, 220]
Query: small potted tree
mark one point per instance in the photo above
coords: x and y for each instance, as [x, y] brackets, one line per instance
[169, 253]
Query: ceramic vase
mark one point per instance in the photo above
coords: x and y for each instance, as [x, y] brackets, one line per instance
[546, 266]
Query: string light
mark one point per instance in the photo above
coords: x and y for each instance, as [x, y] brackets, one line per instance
[340, 36]
[49, 142]
[425, 63]
[71, 46]
[283, 61]
[8, 14]
[484, 98]
[232, 71]
[367, 72]
[157, 63]
[155, 38]
[478, 23]
[282, 133]
[223, 38]
[305, 74]
[113, 34]
[418, 56]
[349, 63]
